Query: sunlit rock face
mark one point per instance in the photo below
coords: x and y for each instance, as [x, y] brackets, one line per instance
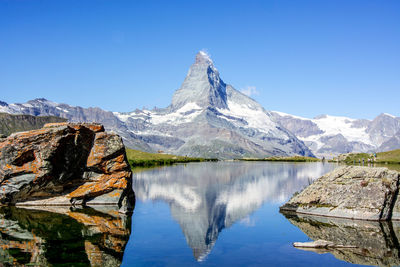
[41, 238]
[206, 198]
[376, 243]
[354, 192]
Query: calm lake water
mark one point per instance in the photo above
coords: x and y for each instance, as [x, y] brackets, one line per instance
[197, 214]
[220, 214]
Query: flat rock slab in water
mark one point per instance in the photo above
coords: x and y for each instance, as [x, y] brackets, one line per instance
[319, 244]
[354, 192]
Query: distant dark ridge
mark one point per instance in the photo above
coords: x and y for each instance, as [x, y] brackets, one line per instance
[10, 123]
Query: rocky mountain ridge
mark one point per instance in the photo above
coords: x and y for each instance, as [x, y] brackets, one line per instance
[328, 136]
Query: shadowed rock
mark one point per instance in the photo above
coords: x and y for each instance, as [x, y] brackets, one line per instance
[39, 237]
[65, 164]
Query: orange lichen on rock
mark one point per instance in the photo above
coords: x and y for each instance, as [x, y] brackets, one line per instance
[104, 184]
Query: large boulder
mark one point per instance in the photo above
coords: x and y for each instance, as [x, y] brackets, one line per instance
[65, 164]
[349, 192]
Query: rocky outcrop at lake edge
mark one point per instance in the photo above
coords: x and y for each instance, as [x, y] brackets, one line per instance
[65, 164]
[353, 192]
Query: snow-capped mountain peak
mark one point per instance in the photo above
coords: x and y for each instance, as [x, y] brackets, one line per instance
[208, 117]
[202, 85]
[203, 57]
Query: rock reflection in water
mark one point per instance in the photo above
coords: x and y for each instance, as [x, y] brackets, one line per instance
[205, 198]
[63, 236]
[376, 242]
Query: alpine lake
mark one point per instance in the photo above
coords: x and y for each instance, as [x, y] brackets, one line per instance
[198, 214]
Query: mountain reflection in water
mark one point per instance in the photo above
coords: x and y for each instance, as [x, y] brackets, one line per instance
[63, 236]
[377, 243]
[205, 198]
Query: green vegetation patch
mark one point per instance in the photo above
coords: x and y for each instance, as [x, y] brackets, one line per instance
[10, 123]
[138, 158]
[286, 159]
[389, 157]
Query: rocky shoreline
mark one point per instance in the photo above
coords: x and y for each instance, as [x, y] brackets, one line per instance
[65, 164]
[353, 192]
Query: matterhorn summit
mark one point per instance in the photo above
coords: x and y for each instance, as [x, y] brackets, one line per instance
[209, 118]
[202, 85]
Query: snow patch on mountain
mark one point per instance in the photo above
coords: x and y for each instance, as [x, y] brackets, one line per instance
[256, 118]
[328, 136]
[333, 125]
[185, 114]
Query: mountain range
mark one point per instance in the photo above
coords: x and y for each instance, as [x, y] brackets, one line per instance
[328, 136]
[209, 118]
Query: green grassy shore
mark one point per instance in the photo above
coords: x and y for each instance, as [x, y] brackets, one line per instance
[138, 158]
[286, 159]
[388, 157]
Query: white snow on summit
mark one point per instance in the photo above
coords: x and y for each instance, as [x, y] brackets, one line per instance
[205, 55]
[390, 115]
[185, 114]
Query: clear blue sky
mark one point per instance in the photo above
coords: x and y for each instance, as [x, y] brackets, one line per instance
[303, 57]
